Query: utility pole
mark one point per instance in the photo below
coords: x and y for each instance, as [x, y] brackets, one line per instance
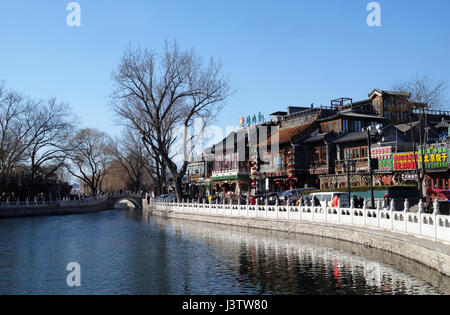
[371, 132]
[369, 141]
[349, 164]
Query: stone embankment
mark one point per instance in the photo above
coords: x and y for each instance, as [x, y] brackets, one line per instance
[52, 208]
[372, 228]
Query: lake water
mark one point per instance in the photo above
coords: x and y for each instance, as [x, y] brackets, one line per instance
[130, 252]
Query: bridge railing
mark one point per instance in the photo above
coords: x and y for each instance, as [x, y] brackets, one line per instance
[433, 226]
[53, 203]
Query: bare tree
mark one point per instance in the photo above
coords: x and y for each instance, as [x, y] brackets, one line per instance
[51, 125]
[14, 132]
[131, 153]
[88, 157]
[158, 94]
[425, 90]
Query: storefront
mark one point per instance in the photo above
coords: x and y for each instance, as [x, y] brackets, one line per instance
[232, 185]
[436, 162]
[384, 175]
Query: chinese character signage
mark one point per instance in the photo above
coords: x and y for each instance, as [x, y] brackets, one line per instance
[405, 161]
[384, 156]
[252, 120]
[435, 156]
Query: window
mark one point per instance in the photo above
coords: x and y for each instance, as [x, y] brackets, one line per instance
[320, 154]
[356, 126]
[345, 125]
[356, 153]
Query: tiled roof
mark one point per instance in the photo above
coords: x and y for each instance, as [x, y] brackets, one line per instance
[315, 139]
[352, 136]
[402, 93]
[287, 135]
[406, 127]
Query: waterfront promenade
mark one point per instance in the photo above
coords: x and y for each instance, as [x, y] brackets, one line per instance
[419, 236]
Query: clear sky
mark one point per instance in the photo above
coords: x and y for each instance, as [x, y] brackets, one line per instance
[277, 53]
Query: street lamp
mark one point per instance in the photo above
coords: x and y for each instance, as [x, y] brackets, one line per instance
[349, 165]
[372, 131]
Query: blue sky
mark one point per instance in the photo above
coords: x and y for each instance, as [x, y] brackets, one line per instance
[277, 53]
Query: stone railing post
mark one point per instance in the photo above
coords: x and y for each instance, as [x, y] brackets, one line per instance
[392, 206]
[421, 212]
[339, 210]
[436, 208]
[379, 205]
[365, 211]
[421, 206]
[436, 212]
[266, 207]
[406, 206]
[406, 209]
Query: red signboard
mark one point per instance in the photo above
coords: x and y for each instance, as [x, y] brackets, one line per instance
[405, 161]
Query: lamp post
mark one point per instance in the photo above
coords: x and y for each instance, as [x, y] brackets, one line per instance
[372, 131]
[349, 165]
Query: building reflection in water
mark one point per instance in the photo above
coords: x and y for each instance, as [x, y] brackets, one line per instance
[269, 262]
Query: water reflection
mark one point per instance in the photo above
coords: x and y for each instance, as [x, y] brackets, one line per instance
[269, 262]
[130, 252]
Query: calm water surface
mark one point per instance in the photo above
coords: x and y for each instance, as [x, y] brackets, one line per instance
[128, 252]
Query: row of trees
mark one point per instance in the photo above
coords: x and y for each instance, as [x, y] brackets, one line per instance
[41, 151]
[32, 133]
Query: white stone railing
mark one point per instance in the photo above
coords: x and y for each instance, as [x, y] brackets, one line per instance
[57, 203]
[434, 226]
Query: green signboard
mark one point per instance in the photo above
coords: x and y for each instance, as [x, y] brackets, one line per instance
[434, 156]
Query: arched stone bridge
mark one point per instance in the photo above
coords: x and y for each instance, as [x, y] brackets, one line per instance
[135, 199]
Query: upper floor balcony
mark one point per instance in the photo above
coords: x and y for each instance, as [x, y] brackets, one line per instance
[230, 172]
[361, 165]
[318, 168]
[273, 168]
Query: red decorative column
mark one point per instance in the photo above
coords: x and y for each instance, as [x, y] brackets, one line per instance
[291, 168]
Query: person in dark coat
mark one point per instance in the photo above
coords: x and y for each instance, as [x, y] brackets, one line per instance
[356, 202]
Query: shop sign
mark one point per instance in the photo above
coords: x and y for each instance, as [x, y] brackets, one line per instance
[435, 156]
[384, 156]
[252, 120]
[405, 161]
[409, 177]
